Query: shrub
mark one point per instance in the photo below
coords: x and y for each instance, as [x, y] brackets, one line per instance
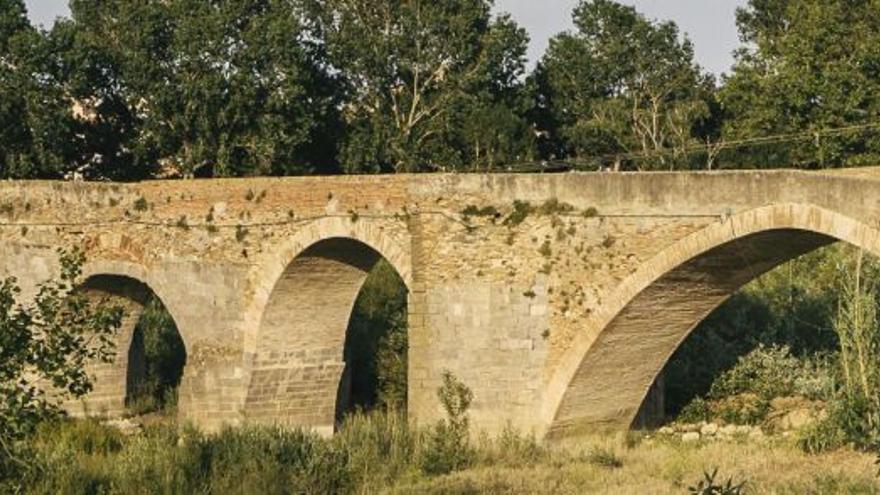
[162, 460]
[447, 445]
[708, 486]
[742, 394]
[44, 348]
[164, 355]
[376, 347]
[767, 371]
[697, 410]
[604, 458]
[379, 447]
[510, 449]
[271, 460]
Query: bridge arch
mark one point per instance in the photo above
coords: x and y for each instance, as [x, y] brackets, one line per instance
[308, 290]
[125, 285]
[605, 375]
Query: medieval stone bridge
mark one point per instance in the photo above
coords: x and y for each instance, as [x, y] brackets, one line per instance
[558, 315]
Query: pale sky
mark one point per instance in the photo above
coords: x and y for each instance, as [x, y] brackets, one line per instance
[709, 23]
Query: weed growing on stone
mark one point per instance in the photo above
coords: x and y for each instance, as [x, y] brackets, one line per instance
[590, 212]
[141, 204]
[545, 249]
[521, 211]
[241, 233]
[555, 207]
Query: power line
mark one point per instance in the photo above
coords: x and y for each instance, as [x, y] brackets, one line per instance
[696, 148]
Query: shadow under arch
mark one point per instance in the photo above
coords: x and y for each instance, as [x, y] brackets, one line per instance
[298, 362]
[606, 374]
[116, 382]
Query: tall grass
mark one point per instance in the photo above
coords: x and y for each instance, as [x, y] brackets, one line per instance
[371, 452]
[854, 405]
[166, 459]
[381, 453]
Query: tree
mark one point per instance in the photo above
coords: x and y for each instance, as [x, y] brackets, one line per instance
[807, 66]
[44, 349]
[417, 75]
[233, 87]
[38, 135]
[621, 85]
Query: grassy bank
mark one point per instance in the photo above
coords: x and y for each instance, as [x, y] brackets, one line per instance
[667, 467]
[380, 454]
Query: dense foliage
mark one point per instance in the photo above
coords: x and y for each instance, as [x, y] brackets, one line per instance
[128, 89]
[806, 65]
[428, 85]
[621, 86]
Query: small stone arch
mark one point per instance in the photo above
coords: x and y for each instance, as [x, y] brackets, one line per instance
[303, 303]
[604, 376]
[126, 286]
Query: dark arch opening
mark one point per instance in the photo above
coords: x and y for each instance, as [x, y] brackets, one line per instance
[376, 345]
[156, 359]
[150, 355]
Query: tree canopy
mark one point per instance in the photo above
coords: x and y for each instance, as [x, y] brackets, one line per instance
[807, 66]
[128, 89]
[429, 85]
[621, 85]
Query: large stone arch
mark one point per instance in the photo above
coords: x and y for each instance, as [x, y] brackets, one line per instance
[128, 286]
[603, 378]
[304, 298]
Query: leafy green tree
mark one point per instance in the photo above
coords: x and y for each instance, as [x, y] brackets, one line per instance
[621, 85]
[13, 20]
[44, 349]
[233, 87]
[38, 134]
[807, 65]
[430, 85]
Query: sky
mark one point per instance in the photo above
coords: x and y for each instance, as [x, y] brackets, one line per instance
[708, 23]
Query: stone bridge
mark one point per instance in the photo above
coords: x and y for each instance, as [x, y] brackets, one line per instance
[557, 298]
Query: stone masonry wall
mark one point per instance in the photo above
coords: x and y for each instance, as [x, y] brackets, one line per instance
[503, 294]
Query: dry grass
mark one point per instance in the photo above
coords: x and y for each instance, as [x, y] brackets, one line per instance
[658, 467]
[379, 453]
